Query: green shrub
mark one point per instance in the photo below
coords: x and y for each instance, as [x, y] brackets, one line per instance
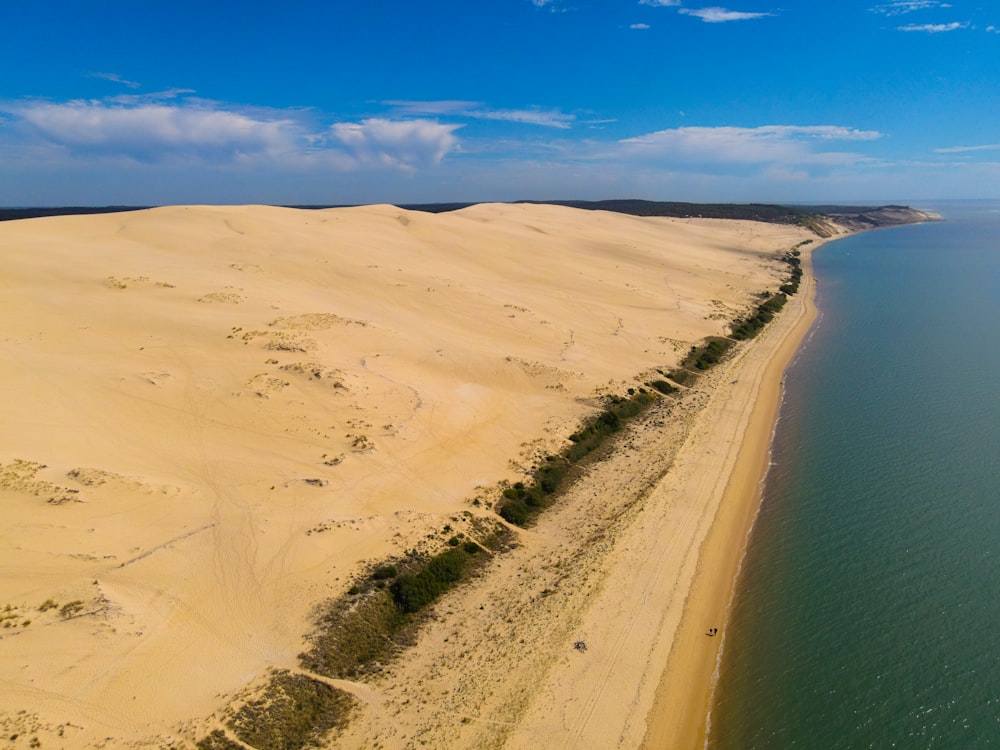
[681, 376]
[356, 636]
[752, 325]
[515, 512]
[411, 593]
[384, 572]
[709, 354]
[520, 503]
[663, 387]
[218, 740]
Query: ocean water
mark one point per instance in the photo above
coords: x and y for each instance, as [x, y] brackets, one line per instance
[868, 606]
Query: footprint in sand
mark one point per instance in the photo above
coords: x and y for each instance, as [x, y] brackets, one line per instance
[156, 378]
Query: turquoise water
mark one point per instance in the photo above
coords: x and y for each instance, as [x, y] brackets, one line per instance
[868, 608]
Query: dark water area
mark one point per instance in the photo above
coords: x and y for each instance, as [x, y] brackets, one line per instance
[868, 607]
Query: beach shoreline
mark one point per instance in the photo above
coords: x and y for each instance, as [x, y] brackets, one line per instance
[680, 717]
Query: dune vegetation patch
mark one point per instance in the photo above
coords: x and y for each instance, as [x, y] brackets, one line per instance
[360, 632]
[289, 712]
[521, 503]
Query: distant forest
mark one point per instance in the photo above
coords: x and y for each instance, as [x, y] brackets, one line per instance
[775, 214]
[752, 211]
[10, 214]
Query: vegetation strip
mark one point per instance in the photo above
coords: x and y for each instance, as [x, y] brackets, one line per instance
[359, 633]
[522, 503]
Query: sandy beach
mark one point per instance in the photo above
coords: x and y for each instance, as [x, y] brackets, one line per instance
[680, 714]
[216, 417]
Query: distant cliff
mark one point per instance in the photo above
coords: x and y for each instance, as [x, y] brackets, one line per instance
[855, 219]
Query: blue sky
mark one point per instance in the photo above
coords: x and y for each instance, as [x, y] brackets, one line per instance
[360, 101]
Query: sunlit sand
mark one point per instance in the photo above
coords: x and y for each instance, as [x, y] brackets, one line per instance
[216, 416]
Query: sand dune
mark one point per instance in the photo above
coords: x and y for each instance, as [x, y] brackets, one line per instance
[214, 416]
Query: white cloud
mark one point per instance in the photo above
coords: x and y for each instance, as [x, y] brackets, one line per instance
[721, 15]
[195, 131]
[735, 148]
[404, 144]
[152, 131]
[966, 149]
[115, 78]
[901, 7]
[548, 118]
[551, 118]
[933, 28]
[660, 3]
[155, 97]
[640, 26]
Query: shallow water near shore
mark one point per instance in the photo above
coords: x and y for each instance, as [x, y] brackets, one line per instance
[867, 605]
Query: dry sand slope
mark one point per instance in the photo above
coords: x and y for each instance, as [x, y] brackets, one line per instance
[214, 416]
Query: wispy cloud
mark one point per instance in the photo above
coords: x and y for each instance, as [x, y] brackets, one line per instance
[132, 100]
[721, 15]
[966, 149]
[933, 28]
[901, 7]
[546, 118]
[660, 3]
[551, 118]
[115, 78]
[640, 26]
[440, 107]
[551, 5]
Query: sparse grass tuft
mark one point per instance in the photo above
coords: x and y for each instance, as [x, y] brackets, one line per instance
[354, 637]
[71, 608]
[295, 711]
